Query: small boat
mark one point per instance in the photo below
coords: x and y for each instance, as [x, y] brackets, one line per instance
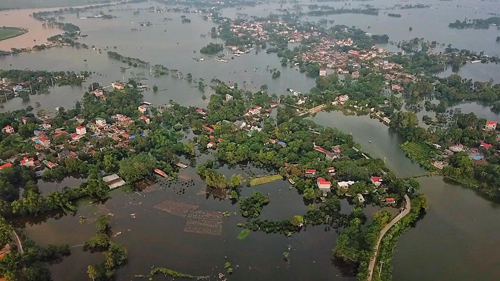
[369, 141]
[181, 165]
[161, 173]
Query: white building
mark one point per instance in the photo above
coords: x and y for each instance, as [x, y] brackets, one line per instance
[81, 130]
[491, 125]
[117, 86]
[344, 184]
[100, 122]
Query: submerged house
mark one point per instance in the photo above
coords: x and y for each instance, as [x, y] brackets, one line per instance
[113, 181]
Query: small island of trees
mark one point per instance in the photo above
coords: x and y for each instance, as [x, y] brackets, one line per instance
[380, 39]
[475, 23]
[211, 49]
[394, 15]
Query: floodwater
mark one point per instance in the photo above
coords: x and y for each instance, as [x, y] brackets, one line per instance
[483, 72]
[455, 240]
[157, 238]
[47, 186]
[20, 18]
[384, 142]
[156, 44]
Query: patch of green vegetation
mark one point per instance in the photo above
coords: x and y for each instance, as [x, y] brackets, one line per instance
[391, 238]
[243, 234]
[175, 274]
[10, 32]
[266, 179]
[421, 153]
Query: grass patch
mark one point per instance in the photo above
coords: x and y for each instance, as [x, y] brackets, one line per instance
[9, 32]
[421, 153]
[175, 274]
[266, 179]
[243, 234]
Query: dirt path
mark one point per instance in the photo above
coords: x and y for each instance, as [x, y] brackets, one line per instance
[18, 242]
[384, 230]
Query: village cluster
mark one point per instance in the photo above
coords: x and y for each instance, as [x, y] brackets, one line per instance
[48, 139]
[252, 120]
[474, 153]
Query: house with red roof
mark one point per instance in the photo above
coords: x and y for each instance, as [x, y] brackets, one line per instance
[389, 200]
[45, 141]
[354, 53]
[331, 170]
[6, 165]
[377, 181]
[397, 88]
[211, 144]
[142, 108]
[75, 137]
[200, 111]
[117, 86]
[24, 119]
[323, 185]
[310, 172]
[322, 72]
[328, 154]
[253, 111]
[491, 125]
[146, 119]
[8, 129]
[486, 145]
[208, 129]
[28, 162]
[273, 104]
[98, 93]
[49, 164]
[60, 133]
[336, 149]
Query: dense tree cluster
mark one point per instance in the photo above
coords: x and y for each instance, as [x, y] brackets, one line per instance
[32, 264]
[211, 49]
[475, 23]
[115, 254]
[251, 207]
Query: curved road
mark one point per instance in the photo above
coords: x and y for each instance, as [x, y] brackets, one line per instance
[18, 242]
[401, 215]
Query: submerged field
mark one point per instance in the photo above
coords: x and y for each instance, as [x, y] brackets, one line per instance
[9, 32]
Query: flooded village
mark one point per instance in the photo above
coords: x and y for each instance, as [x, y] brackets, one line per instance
[148, 159]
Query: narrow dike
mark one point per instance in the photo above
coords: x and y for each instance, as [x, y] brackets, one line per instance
[384, 230]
